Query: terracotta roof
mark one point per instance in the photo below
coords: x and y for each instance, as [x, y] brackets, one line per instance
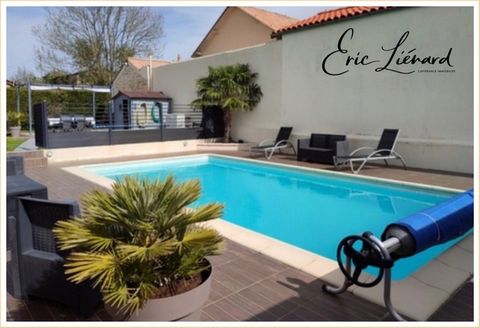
[328, 16]
[141, 62]
[141, 95]
[271, 20]
[268, 18]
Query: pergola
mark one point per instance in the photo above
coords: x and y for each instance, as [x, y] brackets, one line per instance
[74, 87]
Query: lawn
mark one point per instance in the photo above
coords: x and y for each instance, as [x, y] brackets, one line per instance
[13, 143]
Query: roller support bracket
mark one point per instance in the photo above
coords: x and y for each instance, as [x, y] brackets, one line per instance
[372, 253]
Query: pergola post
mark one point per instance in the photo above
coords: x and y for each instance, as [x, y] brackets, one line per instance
[17, 94]
[29, 109]
[94, 108]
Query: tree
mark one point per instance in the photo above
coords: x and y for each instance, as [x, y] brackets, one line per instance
[23, 76]
[96, 41]
[231, 88]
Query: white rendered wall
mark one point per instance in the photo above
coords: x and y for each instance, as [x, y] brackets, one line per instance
[434, 111]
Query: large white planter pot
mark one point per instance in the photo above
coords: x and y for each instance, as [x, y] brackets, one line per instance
[182, 307]
[15, 131]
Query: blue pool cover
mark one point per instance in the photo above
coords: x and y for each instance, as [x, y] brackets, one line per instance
[440, 223]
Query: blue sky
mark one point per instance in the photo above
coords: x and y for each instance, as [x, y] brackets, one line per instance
[184, 28]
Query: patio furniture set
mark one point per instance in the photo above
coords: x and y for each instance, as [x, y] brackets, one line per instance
[332, 149]
[68, 123]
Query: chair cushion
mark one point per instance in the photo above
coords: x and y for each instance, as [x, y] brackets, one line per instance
[318, 140]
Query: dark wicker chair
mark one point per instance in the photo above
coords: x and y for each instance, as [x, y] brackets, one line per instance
[40, 263]
[321, 148]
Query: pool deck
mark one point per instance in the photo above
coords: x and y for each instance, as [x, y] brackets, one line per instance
[251, 284]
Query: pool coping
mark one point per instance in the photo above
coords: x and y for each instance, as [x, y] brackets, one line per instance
[432, 285]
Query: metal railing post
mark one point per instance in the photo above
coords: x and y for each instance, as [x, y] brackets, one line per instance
[110, 110]
[160, 115]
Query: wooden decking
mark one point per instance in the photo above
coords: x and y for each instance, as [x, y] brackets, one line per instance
[248, 286]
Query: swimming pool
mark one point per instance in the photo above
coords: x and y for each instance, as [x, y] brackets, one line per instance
[312, 210]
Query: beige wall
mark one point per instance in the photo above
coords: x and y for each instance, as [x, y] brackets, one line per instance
[236, 30]
[178, 81]
[434, 111]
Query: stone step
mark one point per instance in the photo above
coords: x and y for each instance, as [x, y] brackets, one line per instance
[34, 162]
[27, 154]
[31, 159]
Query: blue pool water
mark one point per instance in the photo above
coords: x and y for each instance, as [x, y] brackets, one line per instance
[311, 210]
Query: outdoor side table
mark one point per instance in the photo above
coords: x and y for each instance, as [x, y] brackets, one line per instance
[18, 185]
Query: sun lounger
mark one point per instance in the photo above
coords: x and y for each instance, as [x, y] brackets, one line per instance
[269, 146]
[384, 151]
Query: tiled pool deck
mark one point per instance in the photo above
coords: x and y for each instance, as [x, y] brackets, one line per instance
[250, 286]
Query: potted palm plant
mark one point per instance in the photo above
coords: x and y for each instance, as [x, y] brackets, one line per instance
[15, 121]
[144, 246]
[229, 88]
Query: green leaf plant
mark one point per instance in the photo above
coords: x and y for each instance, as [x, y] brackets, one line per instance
[230, 88]
[143, 236]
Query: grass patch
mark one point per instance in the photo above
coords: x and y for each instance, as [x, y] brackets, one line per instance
[13, 143]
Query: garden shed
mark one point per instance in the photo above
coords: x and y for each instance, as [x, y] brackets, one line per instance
[143, 110]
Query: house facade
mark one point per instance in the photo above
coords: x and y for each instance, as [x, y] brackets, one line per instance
[357, 73]
[240, 27]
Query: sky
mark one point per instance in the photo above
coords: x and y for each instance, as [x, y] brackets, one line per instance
[184, 28]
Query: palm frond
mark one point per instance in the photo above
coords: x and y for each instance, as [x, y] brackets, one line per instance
[206, 212]
[100, 267]
[207, 239]
[148, 253]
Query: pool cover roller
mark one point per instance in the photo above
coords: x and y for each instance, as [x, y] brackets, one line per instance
[406, 237]
[435, 225]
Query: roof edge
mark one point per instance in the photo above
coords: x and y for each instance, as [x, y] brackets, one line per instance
[194, 54]
[291, 28]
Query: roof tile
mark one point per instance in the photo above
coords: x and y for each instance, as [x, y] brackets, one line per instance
[328, 16]
[271, 19]
[142, 94]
